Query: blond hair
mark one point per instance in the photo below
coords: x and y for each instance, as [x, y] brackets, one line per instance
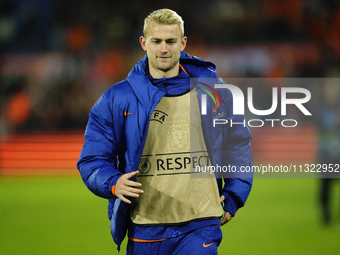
[166, 17]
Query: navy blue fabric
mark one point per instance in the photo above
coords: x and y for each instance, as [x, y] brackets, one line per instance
[173, 86]
[162, 232]
[202, 241]
[114, 140]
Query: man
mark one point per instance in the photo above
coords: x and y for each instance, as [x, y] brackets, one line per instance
[138, 152]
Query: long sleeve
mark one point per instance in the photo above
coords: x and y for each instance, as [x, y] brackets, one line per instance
[97, 163]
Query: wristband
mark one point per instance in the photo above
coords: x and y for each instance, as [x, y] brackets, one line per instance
[113, 190]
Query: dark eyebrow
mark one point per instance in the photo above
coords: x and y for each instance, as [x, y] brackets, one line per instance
[169, 39]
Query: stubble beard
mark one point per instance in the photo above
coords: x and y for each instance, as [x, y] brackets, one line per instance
[165, 69]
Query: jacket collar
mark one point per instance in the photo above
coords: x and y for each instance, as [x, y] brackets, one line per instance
[138, 77]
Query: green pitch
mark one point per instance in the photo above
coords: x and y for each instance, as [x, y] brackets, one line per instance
[58, 215]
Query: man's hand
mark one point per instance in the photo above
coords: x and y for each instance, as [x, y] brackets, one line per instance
[125, 187]
[227, 215]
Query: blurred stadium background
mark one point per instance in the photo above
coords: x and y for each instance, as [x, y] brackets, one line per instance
[57, 57]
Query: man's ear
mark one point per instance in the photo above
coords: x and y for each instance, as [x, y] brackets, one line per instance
[184, 42]
[142, 41]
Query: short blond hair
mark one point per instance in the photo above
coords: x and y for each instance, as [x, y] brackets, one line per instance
[166, 17]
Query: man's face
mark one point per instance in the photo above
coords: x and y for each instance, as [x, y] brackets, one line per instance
[163, 45]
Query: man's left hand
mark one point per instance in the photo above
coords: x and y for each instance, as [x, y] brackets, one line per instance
[227, 215]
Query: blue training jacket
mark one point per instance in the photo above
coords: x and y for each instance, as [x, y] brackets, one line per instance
[116, 132]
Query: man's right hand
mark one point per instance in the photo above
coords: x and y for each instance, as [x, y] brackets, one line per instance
[125, 187]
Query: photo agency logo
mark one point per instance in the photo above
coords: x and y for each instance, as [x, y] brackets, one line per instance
[288, 97]
[214, 96]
